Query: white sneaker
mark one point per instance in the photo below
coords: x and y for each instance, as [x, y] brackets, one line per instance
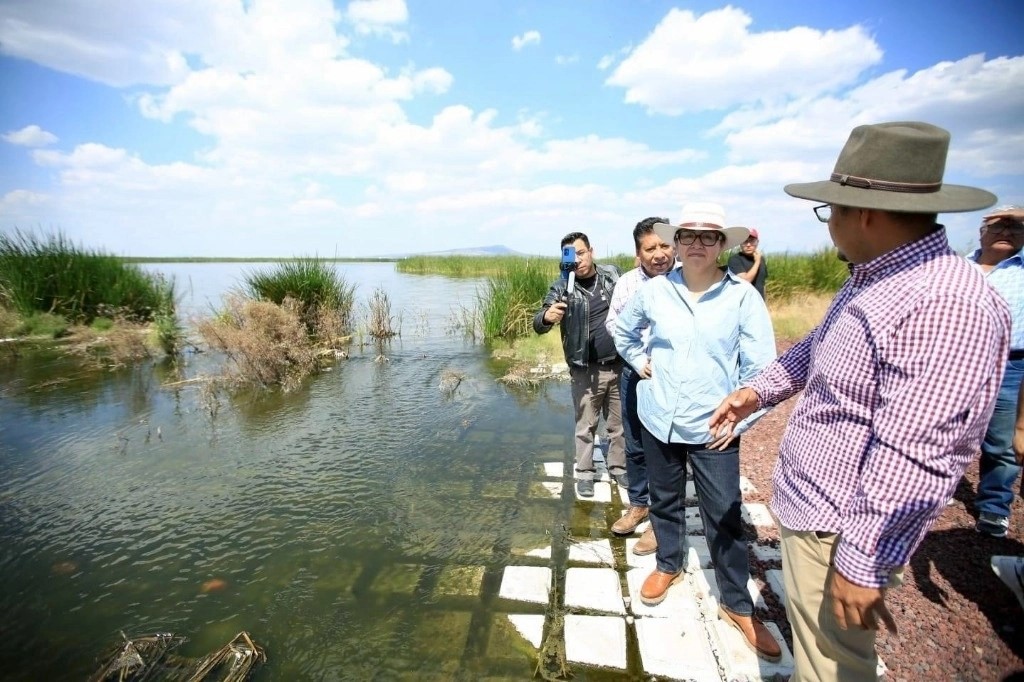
[1010, 569]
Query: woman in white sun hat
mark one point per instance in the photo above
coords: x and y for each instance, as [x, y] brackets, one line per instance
[709, 332]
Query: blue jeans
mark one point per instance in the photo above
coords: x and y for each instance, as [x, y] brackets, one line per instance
[636, 463]
[716, 476]
[998, 468]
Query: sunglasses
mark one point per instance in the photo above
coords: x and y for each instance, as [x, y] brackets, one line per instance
[706, 238]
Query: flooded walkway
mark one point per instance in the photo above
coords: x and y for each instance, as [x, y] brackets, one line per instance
[608, 628]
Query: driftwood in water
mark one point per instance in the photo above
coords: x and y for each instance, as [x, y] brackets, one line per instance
[150, 657]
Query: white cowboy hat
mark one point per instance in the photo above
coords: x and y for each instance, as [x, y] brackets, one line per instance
[703, 216]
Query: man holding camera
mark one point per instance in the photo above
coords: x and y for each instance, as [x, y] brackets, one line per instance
[580, 305]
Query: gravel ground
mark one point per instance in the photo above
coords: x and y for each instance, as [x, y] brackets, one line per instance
[956, 620]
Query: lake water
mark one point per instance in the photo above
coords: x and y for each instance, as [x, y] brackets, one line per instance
[358, 527]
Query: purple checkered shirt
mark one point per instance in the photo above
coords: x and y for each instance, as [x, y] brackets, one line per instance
[899, 381]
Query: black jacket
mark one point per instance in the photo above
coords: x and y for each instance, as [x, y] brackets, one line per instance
[575, 325]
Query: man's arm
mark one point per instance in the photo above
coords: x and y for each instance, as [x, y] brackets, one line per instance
[738, 265]
[551, 309]
[620, 295]
[628, 334]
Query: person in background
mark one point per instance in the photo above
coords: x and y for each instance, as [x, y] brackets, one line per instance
[594, 367]
[748, 263]
[1010, 569]
[654, 257]
[706, 332]
[999, 258]
[899, 381]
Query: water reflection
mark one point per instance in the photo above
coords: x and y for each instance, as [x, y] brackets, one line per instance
[358, 527]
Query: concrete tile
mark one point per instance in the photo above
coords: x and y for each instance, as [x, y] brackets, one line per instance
[597, 589]
[766, 552]
[774, 578]
[515, 634]
[746, 487]
[596, 640]
[592, 552]
[546, 489]
[756, 514]
[623, 495]
[681, 601]
[677, 649]
[694, 522]
[706, 584]
[397, 579]
[741, 664]
[602, 493]
[699, 546]
[554, 469]
[526, 583]
[691, 493]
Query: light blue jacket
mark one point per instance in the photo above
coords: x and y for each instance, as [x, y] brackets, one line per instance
[699, 353]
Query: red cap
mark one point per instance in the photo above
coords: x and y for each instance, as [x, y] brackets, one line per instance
[753, 233]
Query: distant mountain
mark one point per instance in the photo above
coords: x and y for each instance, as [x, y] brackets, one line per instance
[498, 250]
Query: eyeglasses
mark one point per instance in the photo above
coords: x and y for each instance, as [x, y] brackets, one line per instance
[1011, 226]
[708, 238]
[823, 212]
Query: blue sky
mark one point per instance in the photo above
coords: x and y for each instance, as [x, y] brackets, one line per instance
[306, 127]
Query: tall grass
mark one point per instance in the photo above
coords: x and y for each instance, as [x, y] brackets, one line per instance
[50, 274]
[313, 283]
[467, 266]
[512, 296]
[791, 275]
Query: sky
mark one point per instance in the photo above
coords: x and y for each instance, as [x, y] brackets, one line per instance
[251, 128]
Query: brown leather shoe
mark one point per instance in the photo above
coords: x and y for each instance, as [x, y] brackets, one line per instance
[647, 544]
[630, 520]
[755, 634]
[655, 588]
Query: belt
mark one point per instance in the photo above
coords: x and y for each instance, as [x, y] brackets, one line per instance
[609, 362]
[1016, 355]
[823, 533]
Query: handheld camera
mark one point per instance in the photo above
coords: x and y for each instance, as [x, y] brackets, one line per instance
[568, 267]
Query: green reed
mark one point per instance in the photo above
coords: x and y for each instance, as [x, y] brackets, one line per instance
[313, 283]
[512, 296]
[467, 266]
[50, 274]
[789, 275]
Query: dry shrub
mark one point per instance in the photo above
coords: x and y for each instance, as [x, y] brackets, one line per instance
[267, 344]
[120, 346]
[329, 325]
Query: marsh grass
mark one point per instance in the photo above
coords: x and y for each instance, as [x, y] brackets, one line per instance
[794, 275]
[511, 297]
[468, 266]
[323, 298]
[49, 274]
[380, 323]
[794, 317]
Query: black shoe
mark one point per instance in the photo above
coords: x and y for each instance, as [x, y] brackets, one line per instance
[585, 488]
[621, 480]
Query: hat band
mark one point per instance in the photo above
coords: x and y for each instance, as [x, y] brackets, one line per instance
[712, 225]
[885, 186]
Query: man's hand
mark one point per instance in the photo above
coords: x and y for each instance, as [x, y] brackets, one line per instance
[645, 373]
[855, 606]
[1018, 446]
[1016, 214]
[555, 312]
[736, 407]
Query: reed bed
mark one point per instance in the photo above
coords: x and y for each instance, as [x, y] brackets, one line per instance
[50, 274]
[512, 296]
[321, 293]
[470, 266]
[794, 275]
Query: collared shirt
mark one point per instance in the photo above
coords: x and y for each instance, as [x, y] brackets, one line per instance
[625, 288]
[899, 381]
[1007, 278]
[700, 351]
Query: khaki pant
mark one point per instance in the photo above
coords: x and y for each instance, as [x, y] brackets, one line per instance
[821, 650]
[595, 392]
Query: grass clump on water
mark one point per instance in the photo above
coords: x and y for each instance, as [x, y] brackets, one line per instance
[512, 296]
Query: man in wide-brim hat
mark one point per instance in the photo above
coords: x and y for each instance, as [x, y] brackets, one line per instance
[899, 382]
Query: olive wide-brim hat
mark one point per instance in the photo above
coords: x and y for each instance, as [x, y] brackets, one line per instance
[894, 167]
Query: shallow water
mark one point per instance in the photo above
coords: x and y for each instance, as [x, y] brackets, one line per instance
[356, 528]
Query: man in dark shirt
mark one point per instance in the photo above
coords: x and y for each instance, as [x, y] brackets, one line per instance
[748, 264]
[594, 365]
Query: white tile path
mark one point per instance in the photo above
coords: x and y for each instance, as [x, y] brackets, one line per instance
[679, 639]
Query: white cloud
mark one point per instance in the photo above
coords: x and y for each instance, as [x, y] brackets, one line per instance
[565, 59]
[713, 61]
[30, 136]
[528, 38]
[379, 17]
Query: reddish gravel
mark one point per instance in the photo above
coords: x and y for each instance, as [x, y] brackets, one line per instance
[956, 620]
